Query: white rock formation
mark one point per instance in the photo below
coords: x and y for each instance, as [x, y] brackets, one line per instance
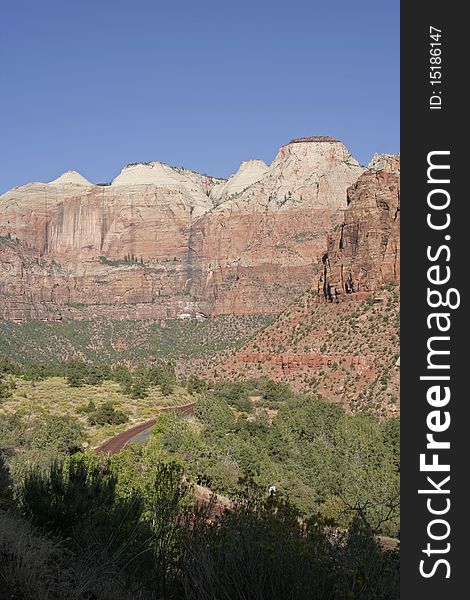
[250, 172]
[153, 173]
[160, 175]
[312, 172]
[70, 178]
[388, 162]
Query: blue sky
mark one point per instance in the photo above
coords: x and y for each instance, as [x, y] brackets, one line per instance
[93, 85]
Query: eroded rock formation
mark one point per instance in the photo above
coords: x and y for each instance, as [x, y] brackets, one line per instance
[363, 252]
[159, 241]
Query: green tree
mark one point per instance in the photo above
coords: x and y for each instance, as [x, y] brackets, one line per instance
[139, 388]
[196, 385]
[60, 433]
[76, 372]
[38, 372]
[276, 391]
[8, 367]
[367, 478]
[107, 414]
[166, 386]
[235, 393]
[216, 415]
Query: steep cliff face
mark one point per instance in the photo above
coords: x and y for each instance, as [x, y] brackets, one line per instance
[340, 338]
[363, 253]
[159, 240]
[250, 172]
[260, 247]
[40, 287]
[143, 212]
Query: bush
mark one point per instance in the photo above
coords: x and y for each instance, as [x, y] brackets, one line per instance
[60, 433]
[156, 544]
[8, 367]
[265, 550]
[79, 373]
[112, 537]
[196, 385]
[276, 391]
[106, 414]
[5, 390]
[13, 431]
[139, 388]
[235, 393]
[216, 415]
[38, 372]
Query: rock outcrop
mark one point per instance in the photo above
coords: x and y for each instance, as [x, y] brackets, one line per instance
[261, 246]
[159, 241]
[340, 338]
[363, 253]
[250, 172]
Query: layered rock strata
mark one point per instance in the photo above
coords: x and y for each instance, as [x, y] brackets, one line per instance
[363, 252]
[159, 241]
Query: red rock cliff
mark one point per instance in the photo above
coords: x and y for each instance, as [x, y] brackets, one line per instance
[160, 241]
[363, 253]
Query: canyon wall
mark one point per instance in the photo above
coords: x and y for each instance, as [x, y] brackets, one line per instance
[160, 241]
[340, 339]
[363, 252]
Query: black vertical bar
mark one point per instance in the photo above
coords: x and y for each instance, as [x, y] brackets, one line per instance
[433, 119]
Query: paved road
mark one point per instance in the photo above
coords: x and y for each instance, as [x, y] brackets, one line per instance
[140, 433]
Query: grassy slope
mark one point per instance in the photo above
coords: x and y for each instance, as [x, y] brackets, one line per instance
[55, 396]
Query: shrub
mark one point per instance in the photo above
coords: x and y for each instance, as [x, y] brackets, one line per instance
[60, 433]
[5, 390]
[106, 414]
[235, 393]
[156, 544]
[215, 414]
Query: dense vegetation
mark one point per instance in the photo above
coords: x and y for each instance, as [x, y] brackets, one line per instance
[87, 529]
[128, 526]
[104, 400]
[324, 460]
[131, 342]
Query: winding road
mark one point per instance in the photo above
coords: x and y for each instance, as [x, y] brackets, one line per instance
[141, 432]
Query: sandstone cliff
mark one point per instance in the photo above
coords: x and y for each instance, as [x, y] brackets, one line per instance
[260, 247]
[159, 241]
[340, 338]
[363, 253]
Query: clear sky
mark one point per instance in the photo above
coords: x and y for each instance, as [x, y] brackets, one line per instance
[91, 85]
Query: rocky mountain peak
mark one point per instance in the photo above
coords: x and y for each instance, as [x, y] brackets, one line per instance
[313, 172]
[70, 178]
[385, 162]
[192, 188]
[315, 147]
[150, 173]
[253, 164]
[249, 172]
